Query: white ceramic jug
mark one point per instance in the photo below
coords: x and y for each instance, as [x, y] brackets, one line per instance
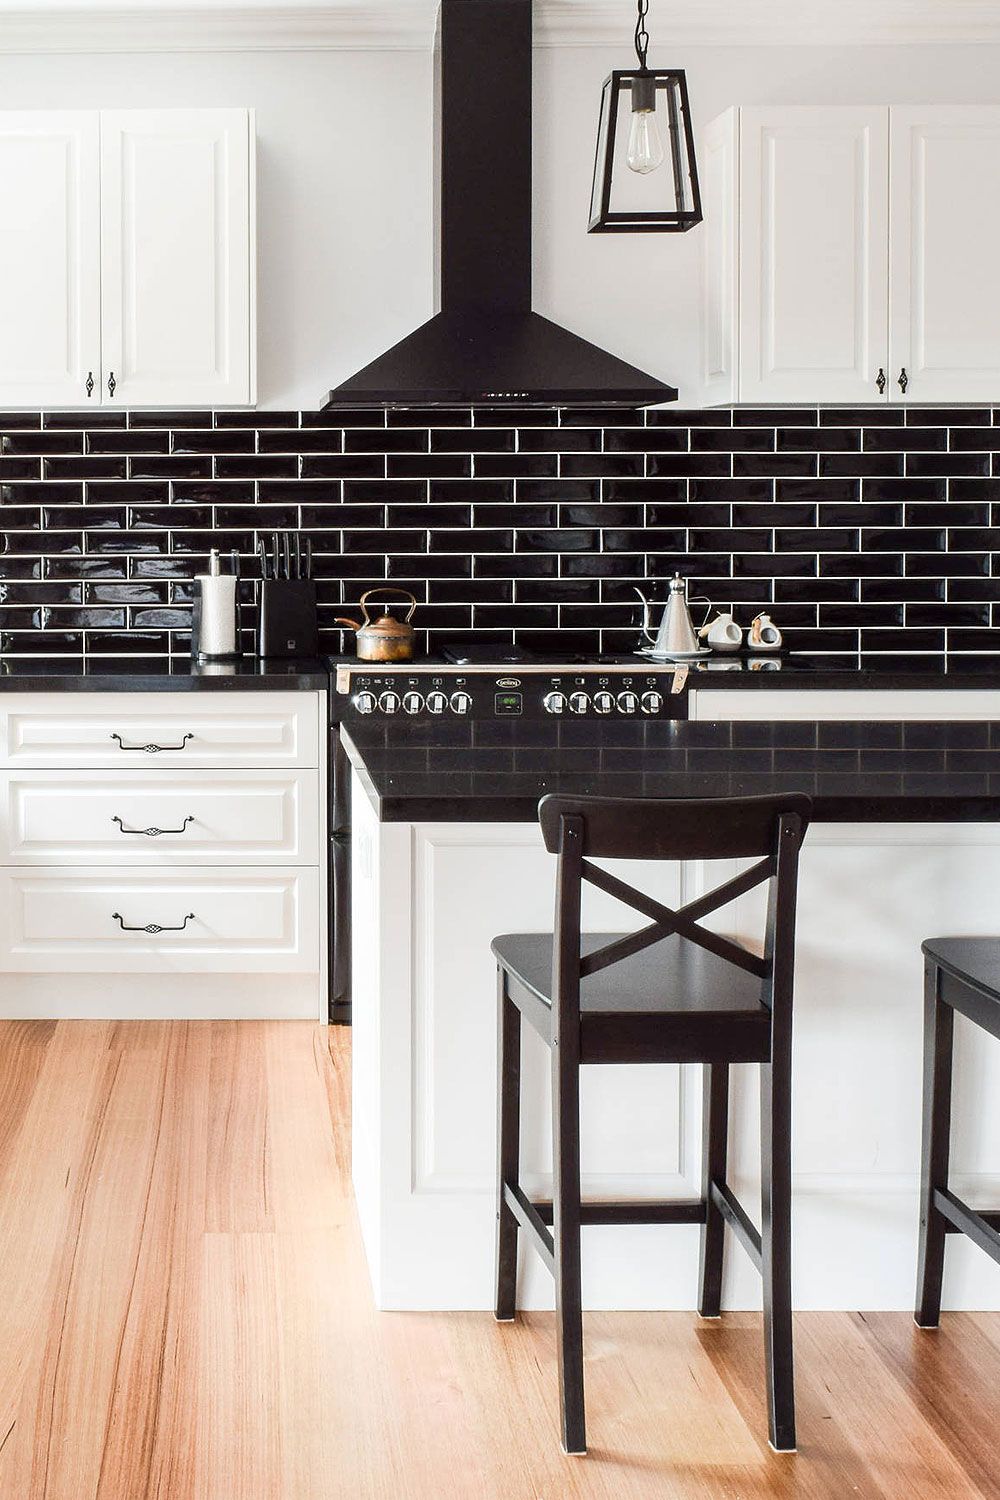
[764, 634]
[722, 634]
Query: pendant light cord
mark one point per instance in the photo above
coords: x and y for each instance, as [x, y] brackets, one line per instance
[641, 34]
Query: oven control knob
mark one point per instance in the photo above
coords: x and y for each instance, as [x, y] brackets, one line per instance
[460, 703]
[604, 702]
[364, 702]
[389, 702]
[651, 702]
[554, 703]
[413, 702]
[579, 702]
[627, 703]
[436, 702]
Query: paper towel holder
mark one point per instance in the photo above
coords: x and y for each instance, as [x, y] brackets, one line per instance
[215, 618]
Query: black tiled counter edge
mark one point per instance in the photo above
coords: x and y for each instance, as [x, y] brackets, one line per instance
[908, 772]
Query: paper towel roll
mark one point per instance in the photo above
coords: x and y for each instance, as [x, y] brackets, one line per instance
[217, 635]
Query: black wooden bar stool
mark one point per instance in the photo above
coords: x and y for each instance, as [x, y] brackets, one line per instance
[672, 992]
[960, 974]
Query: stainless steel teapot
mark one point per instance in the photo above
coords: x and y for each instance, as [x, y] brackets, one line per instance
[676, 637]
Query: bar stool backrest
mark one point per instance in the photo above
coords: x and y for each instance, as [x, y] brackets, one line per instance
[580, 829]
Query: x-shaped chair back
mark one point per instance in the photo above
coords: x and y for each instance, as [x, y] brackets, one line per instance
[580, 829]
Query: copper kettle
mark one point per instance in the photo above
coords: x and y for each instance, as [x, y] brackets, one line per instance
[384, 639]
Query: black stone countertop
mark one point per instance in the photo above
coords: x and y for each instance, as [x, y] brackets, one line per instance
[913, 772]
[794, 671]
[179, 675]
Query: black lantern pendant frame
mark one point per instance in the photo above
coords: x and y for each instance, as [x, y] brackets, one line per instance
[643, 84]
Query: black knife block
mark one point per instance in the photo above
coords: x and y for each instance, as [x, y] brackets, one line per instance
[286, 623]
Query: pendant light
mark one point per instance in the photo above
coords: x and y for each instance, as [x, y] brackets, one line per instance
[645, 125]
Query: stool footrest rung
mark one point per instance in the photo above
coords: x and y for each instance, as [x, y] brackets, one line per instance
[739, 1221]
[634, 1211]
[982, 1226]
[529, 1218]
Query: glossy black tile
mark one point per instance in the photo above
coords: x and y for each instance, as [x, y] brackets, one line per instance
[866, 526]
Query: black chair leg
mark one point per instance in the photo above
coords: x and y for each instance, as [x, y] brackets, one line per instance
[939, 1031]
[776, 1249]
[508, 1146]
[566, 1231]
[715, 1142]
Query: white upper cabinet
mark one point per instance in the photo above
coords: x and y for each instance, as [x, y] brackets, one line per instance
[814, 190]
[864, 241]
[944, 265]
[132, 256]
[176, 263]
[50, 258]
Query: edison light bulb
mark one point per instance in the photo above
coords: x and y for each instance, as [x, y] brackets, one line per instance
[645, 148]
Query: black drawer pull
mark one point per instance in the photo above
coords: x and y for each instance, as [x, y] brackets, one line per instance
[151, 927]
[152, 749]
[153, 833]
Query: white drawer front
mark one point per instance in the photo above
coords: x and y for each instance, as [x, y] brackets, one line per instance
[254, 921]
[146, 731]
[150, 817]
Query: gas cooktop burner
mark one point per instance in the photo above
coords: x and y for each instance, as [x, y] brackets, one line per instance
[518, 656]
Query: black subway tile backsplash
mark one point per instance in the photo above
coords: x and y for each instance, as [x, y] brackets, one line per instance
[865, 529]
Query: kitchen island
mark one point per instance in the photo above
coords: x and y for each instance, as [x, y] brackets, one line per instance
[906, 843]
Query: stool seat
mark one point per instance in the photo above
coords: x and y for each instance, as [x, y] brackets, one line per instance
[976, 960]
[673, 1002]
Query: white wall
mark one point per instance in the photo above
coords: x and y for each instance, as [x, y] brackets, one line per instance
[344, 142]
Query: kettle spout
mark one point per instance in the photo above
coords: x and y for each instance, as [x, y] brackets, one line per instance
[647, 616]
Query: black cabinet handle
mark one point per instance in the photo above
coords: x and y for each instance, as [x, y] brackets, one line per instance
[90, 384]
[880, 382]
[152, 833]
[112, 384]
[152, 749]
[903, 380]
[151, 927]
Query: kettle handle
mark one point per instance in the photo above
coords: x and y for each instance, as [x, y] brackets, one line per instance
[399, 594]
[702, 599]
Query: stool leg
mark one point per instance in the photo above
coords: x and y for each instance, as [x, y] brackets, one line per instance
[566, 1231]
[939, 1030]
[714, 1147]
[508, 1145]
[776, 1247]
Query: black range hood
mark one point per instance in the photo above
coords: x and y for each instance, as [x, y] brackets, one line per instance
[486, 344]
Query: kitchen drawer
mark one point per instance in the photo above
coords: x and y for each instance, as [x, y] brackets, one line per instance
[142, 731]
[161, 818]
[227, 921]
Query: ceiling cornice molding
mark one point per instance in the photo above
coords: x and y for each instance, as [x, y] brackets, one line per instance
[407, 25]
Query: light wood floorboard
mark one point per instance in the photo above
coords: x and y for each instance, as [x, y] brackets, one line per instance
[185, 1315]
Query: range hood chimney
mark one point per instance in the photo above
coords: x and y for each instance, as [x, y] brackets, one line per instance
[486, 344]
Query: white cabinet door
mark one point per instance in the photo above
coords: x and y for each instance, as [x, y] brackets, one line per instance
[50, 258]
[176, 268]
[814, 241]
[944, 269]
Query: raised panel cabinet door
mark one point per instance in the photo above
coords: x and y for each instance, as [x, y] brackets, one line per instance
[814, 190]
[50, 268]
[176, 257]
[944, 267]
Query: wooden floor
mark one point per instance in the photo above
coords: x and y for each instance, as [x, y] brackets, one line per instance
[184, 1312]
